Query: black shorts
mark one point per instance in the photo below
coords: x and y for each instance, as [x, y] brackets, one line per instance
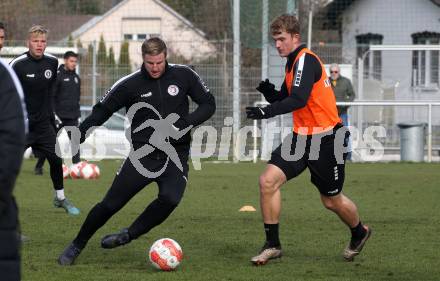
[325, 160]
[42, 138]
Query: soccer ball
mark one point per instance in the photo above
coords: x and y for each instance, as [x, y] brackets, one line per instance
[65, 171]
[75, 170]
[87, 171]
[97, 170]
[165, 254]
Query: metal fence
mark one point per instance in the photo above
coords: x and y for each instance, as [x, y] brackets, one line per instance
[108, 35]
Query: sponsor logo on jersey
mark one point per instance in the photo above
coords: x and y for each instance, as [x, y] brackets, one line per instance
[48, 73]
[173, 90]
[333, 191]
[298, 78]
[299, 72]
[104, 96]
[205, 86]
[147, 95]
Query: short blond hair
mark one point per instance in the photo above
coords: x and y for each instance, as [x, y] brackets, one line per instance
[154, 46]
[37, 29]
[285, 22]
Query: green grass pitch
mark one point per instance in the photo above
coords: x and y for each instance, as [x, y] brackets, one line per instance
[401, 202]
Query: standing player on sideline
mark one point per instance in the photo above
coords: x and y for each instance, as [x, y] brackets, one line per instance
[161, 90]
[66, 95]
[307, 93]
[37, 73]
[12, 138]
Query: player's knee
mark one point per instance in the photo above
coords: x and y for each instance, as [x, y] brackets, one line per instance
[171, 200]
[330, 203]
[268, 184]
[53, 159]
[106, 208]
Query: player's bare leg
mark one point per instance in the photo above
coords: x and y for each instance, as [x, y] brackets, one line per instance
[348, 213]
[270, 202]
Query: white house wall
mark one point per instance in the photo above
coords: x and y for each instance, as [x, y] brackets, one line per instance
[395, 20]
[181, 39]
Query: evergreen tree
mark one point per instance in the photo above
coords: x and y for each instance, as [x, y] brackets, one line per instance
[70, 41]
[124, 59]
[79, 44]
[102, 52]
[90, 54]
[111, 62]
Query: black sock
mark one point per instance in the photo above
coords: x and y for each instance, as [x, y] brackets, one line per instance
[358, 232]
[272, 236]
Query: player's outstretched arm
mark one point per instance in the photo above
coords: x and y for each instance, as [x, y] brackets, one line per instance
[270, 94]
[300, 92]
[202, 96]
[116, 98]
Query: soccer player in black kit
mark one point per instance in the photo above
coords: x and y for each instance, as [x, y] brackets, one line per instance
[37, 72]
[156, 98]
[66, 95]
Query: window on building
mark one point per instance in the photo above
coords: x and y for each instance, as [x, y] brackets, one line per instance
[373, 61]
[128, 36]
[425, 64]
[154, 35]
[139, 29]
[142, 36]
[139, 37]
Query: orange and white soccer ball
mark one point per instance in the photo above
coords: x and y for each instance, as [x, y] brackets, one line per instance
[87, 171]
[97, 170]
[75, 170]
[165, 254]
[65, 171]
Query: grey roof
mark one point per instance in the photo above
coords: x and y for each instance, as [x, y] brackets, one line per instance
[83, 28]
[337, 7]
[97, 19]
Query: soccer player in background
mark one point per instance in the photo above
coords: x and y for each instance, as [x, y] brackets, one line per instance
[12, 140]
[37, 73]
[307, 93]
[160, 93]
[66, 95]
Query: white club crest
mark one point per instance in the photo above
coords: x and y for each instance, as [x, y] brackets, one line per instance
[173, 90]
[48, 73]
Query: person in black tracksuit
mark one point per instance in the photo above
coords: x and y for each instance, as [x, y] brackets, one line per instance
[12, 139]
[160, 143]
[66, 95]
[37, 72]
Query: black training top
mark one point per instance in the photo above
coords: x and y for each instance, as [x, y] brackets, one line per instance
[67, 91]
[311, 73]
[37, 77]
[160, 97]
